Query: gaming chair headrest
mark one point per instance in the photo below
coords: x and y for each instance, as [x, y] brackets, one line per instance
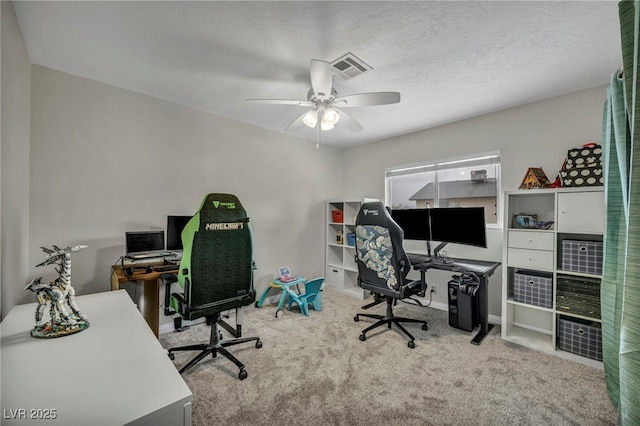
[373, 213]
[222, 208]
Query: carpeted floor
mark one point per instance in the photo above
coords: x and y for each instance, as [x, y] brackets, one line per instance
[315, 371]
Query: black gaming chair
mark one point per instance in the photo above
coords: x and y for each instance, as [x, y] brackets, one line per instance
[216, 274]
[383, 267]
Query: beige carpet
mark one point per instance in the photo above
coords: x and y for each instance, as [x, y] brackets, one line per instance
[314, 371]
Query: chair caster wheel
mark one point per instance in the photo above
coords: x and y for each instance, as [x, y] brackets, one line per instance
[362, 337]
[279, 313]
[356, 318]
[242, 374]
[258, 344]
[411, 344]
[172, 356]
[424, 327]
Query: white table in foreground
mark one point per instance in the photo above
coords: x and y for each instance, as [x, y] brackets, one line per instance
[114, 373]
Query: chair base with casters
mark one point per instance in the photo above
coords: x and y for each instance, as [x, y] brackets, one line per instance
[214, 347]
[388, 319]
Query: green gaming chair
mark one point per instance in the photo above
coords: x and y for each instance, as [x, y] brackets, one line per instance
[216, 274]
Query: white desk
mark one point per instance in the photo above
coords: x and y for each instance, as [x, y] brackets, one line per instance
[114, 373]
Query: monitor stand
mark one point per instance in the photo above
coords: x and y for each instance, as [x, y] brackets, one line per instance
[436, 251]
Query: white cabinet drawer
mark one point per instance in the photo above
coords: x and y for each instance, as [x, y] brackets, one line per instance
[334, 277]
[531, 259]
[536, 240]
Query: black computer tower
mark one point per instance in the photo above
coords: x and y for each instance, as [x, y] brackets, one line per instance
[463, 302]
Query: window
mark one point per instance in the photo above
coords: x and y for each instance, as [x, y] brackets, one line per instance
[460, 182]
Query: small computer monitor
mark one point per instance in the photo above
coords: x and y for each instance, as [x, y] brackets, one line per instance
[175, 225]
[462, 225]
[144, 241]
[414, 223]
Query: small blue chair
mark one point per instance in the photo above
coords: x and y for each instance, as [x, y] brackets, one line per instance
[312, 295]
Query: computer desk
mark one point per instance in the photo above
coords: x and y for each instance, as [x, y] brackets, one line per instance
[482, 269]
[150, 290]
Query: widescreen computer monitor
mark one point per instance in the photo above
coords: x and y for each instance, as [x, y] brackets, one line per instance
[461, 225]
[414, 223]
[175, 225]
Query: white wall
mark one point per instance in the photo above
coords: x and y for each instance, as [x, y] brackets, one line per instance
[14, 152]
[105, 160]
[533, 135]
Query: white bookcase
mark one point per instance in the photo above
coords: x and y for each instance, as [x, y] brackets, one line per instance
[342, 270]
[578, 214]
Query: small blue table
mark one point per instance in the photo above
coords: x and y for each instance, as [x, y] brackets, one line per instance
[284, 288]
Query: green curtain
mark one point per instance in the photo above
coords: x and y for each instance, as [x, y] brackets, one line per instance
[620, 291]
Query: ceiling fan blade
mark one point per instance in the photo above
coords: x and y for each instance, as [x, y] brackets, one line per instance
[321, 78]
[349, 122]
[368, 99]
[280, 102]
[296, 124]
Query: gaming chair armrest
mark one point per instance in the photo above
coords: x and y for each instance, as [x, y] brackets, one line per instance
[167, 280]
[181, 303]
[418, 287]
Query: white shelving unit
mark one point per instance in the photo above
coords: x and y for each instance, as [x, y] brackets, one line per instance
[578, 214]
[342, 271]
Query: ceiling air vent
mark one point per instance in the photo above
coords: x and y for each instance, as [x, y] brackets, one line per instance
[349, 66]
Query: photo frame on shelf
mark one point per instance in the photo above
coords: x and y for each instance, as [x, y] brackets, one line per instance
[525, 221]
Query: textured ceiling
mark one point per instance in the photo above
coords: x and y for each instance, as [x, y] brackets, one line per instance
[449, 60]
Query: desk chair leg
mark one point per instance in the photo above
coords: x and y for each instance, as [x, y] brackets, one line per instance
[214, 347]
[387, 320]
[372, 304]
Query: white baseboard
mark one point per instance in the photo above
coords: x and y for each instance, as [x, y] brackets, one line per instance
[493, 319]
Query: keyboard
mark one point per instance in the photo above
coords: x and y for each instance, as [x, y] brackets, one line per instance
[165, 268]
[147, 254]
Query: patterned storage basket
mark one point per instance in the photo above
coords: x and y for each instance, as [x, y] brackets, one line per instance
[578, 295]
[584, 339]
[582, 256]
[533, 288]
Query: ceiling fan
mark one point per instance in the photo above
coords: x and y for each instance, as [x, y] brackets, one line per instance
[325, 104]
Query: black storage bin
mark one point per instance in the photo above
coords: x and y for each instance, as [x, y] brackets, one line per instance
[582, 256]
[532, 287]
[463, 302]
[580, 337]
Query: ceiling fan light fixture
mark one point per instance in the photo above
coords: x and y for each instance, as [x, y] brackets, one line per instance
[330, 116]
[325, 126]
[311, 118]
